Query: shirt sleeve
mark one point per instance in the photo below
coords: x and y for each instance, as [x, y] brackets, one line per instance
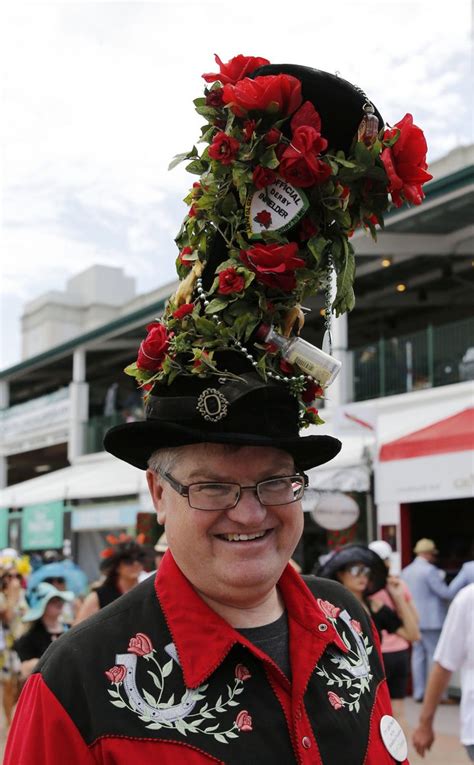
[437, 585]
[42, 733]
[458, 582]
[451, 648]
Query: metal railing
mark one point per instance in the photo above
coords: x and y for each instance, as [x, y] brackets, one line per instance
[427, 359]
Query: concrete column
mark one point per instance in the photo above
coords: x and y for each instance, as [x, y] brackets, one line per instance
[4, 404]
[79, 405]
[341, 389]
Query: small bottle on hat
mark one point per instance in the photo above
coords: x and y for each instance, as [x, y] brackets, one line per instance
[311, 360]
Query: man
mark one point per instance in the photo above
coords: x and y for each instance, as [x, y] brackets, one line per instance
[430, 594]
[227, 655]
[455, 651]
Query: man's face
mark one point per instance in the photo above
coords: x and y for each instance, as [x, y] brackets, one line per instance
[229, 571]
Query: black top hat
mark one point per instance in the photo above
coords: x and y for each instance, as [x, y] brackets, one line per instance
[351, 554]
[295, 159]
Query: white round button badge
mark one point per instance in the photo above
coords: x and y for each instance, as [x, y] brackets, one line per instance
[393, 738]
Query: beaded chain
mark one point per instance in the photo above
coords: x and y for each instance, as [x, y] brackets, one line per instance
[242, 348]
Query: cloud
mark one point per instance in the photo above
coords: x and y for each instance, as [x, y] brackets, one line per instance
[98, 98]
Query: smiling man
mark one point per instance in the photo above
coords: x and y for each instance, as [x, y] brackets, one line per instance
[227, 655]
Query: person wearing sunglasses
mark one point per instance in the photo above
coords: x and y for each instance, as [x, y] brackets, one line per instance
[364, 573]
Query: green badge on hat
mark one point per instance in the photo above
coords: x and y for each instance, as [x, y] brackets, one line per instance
[277, 207]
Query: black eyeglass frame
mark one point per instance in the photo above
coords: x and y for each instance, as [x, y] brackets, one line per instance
[183, 489]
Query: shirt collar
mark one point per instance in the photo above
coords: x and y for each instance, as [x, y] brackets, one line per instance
[203, 638]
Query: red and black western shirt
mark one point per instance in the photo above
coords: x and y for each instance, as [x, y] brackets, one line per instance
[158, 676]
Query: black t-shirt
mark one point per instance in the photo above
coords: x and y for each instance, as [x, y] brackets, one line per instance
[273, 640]
[34, 643]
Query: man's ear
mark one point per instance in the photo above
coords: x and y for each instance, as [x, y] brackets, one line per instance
[155, 488]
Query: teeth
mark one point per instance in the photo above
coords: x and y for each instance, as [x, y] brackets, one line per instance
[242, 537]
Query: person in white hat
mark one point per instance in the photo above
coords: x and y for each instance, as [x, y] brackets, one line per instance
[395, 648]
[431, 596]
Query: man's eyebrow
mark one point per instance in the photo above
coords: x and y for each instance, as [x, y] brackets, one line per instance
[205, 475]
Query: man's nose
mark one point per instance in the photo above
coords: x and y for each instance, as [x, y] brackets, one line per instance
[248, 508]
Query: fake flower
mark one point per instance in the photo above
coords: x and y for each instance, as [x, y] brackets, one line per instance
[300, 164]
[235, 69]
[183, 310]
[405, 162]
[153, 349]
[263, 176]
[224, 148]
[274, 264]
[273, 93]
[230, 281]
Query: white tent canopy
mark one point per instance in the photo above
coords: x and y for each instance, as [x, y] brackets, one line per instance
[91, 477]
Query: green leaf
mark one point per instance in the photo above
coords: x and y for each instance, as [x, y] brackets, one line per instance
[221, 738]
[181, 157]
[363, 155]
[345, 299]
[269, 159]
[205, 327]
[196, 167]
[167, 669]
[181, 726]
[120, 704]
[229, 204]
[216, 305]
[132, 370]
[316, 246]
[155, 678]
[149, 698]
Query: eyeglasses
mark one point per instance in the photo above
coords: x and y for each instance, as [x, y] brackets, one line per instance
[358, 570]
[282, 490]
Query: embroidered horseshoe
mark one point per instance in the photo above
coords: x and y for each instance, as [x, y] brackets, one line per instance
[363, 669]
[170, 714]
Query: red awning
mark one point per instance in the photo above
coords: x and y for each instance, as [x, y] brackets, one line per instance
[454, 434]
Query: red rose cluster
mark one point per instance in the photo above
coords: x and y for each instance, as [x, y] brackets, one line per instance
[153, 349]
[274, 264]
[405, 162]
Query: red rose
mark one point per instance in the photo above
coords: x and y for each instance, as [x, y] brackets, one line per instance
[356, 625]
[249, 128]
[230, 281]
[307, 229]
[116, 674]
[243, 721]
[300, 164]
[153, 348]
[214, 98]
[241, 672]
[274, 264]
[405, 162]
[329, 611]
[306, 115]
[140, 645]
[288, 369]
[275, 93]
[311, 392]
[183, 310]
[264, 218]
[262, 177]
[272, 136]
[224, 148]
[335, 700]
[182, 257]
[193, 211]
[235, 69]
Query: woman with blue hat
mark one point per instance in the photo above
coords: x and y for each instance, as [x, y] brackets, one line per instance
[46, 625]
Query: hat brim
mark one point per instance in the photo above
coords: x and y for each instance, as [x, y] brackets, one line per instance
[135, 442]
[351, 554]
[37, 611]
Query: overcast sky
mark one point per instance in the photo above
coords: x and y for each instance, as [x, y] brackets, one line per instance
[97, 98]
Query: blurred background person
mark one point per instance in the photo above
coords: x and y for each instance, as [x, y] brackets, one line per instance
[462, 579]
[158, 551]
[363, 573]
[395, 648]
[45, 626]
[13, 606]
[122, 563]
[455, 651]
[431, 595]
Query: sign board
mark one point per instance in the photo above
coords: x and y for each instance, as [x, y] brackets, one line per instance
[42, 526]
[425, 479]
[111, 515]
[335, 511]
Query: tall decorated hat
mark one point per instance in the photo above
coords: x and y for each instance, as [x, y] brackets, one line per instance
[291, 161]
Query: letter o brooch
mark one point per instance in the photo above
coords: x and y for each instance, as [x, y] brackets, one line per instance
[212, 405]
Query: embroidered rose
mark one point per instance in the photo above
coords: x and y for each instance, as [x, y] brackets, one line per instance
[241, 672]
[153, 349]
[183, 310]
[224, 148]
[140, 645]
[335, 700]
[262, 177]
[274, 93]
[354, 623]
[300, 164]
[244, 721]
[274, 264]
[264, 218]
[116, 674]
[329, 611]
[230, 281]
[405, 162]
[238, 67]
